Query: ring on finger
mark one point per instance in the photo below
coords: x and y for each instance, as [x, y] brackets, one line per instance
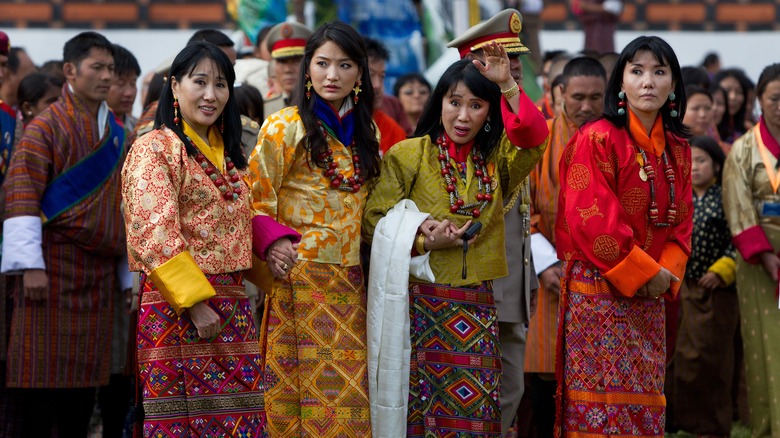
[284, 266]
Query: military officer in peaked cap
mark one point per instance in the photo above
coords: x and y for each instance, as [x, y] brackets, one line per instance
[286, 42]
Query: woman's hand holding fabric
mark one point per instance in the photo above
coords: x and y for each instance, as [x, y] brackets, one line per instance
[205, 319]
[658, 285]
[281, 256]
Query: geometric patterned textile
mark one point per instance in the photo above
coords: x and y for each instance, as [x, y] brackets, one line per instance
[614, 354]
[456, 362]
[316, 382]
[195, 387]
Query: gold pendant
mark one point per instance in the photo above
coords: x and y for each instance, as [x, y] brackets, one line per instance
[349, 201]
[642, 174]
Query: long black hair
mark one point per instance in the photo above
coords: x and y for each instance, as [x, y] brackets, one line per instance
[464, 71]
[183, 65]
[724, 123]
[366, 143]
[665, 55]
[736, 122]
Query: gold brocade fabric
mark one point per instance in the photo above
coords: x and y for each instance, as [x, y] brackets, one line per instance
[172, 206]
[746, 185]
[316, 382]
[411, 170]
[297, 194]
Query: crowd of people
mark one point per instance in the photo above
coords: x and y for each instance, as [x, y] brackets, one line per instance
[278, 247]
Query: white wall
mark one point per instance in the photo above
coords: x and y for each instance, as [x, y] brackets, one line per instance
[751, 51]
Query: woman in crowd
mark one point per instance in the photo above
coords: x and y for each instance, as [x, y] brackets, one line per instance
[623, 231]
[737, 119]
[36, 92]
[719, 102]
[309, 173]
[188, 215]
[250, 105]
[412, 90]
[465, 157]
[698, 112]
[704, 360]
[752, 206]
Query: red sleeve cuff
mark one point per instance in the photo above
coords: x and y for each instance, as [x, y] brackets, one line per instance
[674, 259]
[266, 231]
[632, 272]
[751, 242]
[527, 129]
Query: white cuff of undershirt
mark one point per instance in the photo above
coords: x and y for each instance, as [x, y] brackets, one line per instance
[543, 251]
[22, 244]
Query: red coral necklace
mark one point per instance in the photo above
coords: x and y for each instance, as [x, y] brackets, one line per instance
[222, 183]
[484, 181]
[337, 179]
[649, 174]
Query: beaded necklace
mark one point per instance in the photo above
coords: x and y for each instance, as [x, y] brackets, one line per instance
[216, 177]
[646, 172]
[337, 179]
[484, 181]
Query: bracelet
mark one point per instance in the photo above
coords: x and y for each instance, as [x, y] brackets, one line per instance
[512, 92]
[419, 244]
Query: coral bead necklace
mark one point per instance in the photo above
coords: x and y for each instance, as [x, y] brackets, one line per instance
[229, 186]
[485, 182]
[648, 173]
[337, 179]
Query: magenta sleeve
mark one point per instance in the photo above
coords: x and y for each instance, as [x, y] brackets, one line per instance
[265, 231]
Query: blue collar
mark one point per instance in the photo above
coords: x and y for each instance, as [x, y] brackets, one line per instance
[340, 124]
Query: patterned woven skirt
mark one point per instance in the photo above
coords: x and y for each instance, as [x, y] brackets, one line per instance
[611, 359]
[195, 387]
[456, 362]
[316, 382]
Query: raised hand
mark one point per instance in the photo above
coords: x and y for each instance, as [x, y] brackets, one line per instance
[496, 67]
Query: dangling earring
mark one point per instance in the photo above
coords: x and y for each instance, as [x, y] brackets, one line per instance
[672, 106]
[222, 124]
[308, 86]
[622, 103]
[357, 91]
[175, 110]
[487, 127]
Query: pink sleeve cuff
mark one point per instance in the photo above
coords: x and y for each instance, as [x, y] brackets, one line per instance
[751, 242]
[266, 231]
[527, 129]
